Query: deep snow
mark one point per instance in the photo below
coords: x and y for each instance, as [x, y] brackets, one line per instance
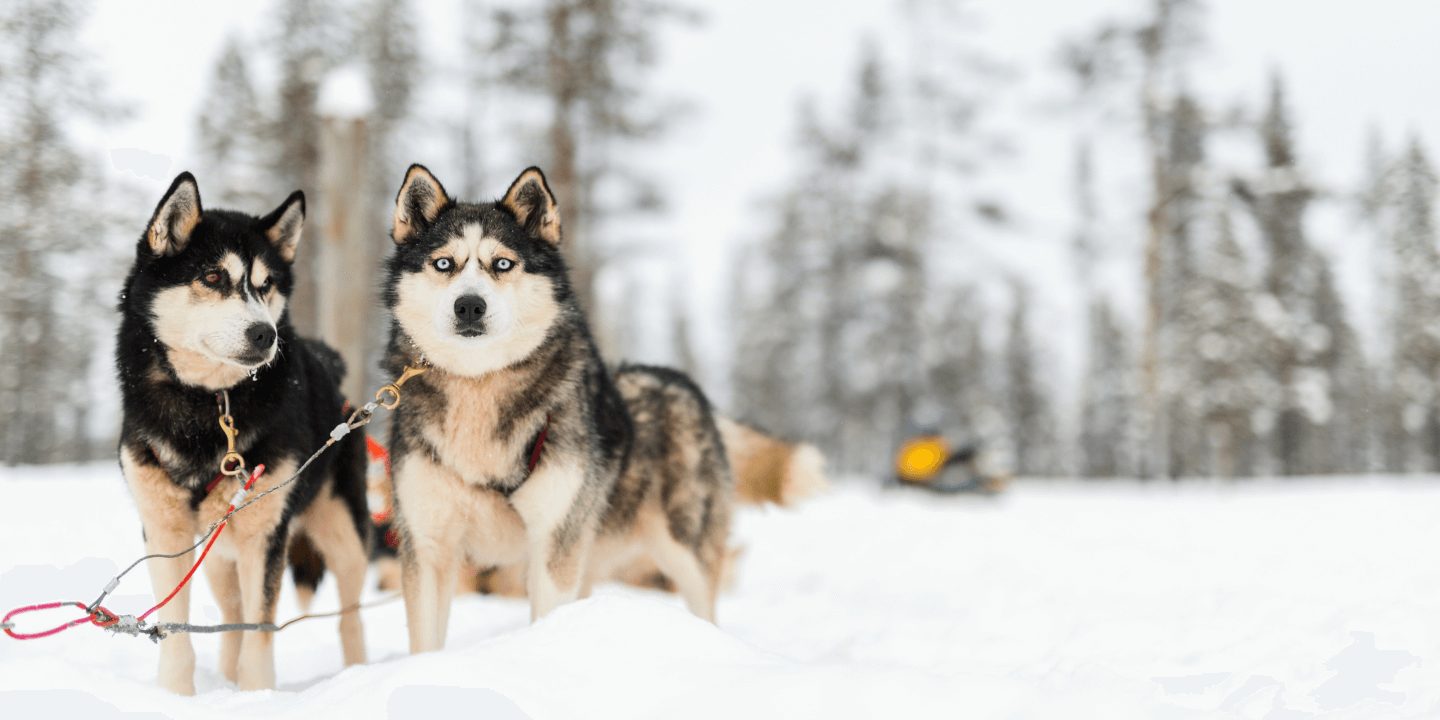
[1275, 599]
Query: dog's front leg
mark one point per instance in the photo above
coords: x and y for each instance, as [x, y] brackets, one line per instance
[225, 586]
[427, 512]
[169, 527]
[559, 527]
[261, 565]
[261, 536]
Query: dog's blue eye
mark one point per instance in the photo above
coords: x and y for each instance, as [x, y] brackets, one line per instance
[444, 264]
[504, 264]
[212, 278]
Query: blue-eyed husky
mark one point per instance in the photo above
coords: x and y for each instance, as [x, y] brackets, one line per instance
[517, 445]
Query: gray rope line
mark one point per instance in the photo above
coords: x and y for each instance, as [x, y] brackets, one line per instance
[228, 627]
[134, 627]
[7, 626]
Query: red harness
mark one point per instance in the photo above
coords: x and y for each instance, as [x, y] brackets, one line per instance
[539, 444]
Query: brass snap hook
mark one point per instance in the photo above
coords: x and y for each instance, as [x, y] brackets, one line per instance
[227, 426]
[393, 389]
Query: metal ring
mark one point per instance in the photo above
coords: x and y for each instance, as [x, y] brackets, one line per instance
[234, 457]
[388, 389]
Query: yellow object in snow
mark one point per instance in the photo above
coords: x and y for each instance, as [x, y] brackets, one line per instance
[921, 458]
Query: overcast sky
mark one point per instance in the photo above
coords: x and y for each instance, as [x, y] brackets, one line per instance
[1350, 65]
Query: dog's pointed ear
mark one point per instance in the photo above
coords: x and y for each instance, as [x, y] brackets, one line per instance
[419, 202]
[285, 225]
[175, 217]
[529, 197]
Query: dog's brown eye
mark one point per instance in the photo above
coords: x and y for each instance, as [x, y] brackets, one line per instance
[444, 264]
[503, 264]
[212, 278]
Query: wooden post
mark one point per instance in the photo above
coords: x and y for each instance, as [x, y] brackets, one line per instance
[346, 266]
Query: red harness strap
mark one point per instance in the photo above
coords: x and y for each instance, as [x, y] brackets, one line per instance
[539, 444]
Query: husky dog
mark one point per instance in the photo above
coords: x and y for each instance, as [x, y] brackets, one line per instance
[624, 464]
[203, 320]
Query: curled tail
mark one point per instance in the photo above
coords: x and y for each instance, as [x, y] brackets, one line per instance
[769, 469]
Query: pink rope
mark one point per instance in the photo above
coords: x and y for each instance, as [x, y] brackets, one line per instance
[51, 631]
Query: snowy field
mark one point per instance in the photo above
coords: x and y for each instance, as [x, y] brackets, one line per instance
[1270, 599]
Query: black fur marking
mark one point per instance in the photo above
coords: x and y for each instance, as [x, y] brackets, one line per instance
[306, 566]
[275, 551]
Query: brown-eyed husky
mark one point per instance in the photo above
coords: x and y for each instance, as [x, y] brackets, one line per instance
[204, 313]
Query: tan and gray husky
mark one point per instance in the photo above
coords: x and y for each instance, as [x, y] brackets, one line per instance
[517, 445]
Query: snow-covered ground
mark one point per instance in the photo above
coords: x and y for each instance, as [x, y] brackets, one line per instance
[1269, 599]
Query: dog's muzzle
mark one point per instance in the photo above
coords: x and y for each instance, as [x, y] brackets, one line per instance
[470, 316]
[261, 339]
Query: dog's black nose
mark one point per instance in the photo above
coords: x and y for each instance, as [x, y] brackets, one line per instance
[260, 335]
[469, 309]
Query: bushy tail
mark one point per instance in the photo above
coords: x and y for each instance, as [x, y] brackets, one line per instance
[768, 469]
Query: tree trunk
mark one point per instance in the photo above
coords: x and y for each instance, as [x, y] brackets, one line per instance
[345, 269]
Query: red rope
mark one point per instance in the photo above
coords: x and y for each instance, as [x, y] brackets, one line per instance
[248, 484]
[101, 616]
[47, 633]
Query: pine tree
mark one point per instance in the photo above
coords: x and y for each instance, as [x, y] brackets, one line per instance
[235, 150]
[1164, 44]
[780, 307]
[1312, 344]
[958, 374]
[1108, 401]
[1416, 369]
[308, 45]
[845, 286]
[585, 58]
[1180, 224]
[46, 345]
[388, 42]
[1027, 409]
[476, 81]
[1236, 394]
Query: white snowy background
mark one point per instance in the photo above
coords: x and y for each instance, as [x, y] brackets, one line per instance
[1268, 599]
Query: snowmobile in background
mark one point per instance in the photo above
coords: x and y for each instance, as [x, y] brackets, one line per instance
[927, 461]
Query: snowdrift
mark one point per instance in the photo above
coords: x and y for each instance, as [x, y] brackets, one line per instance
[1279, 599]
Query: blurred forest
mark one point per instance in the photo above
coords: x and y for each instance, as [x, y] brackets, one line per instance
[1244, 361]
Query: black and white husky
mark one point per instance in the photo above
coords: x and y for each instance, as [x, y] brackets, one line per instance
[204, 311]
[518, 446]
